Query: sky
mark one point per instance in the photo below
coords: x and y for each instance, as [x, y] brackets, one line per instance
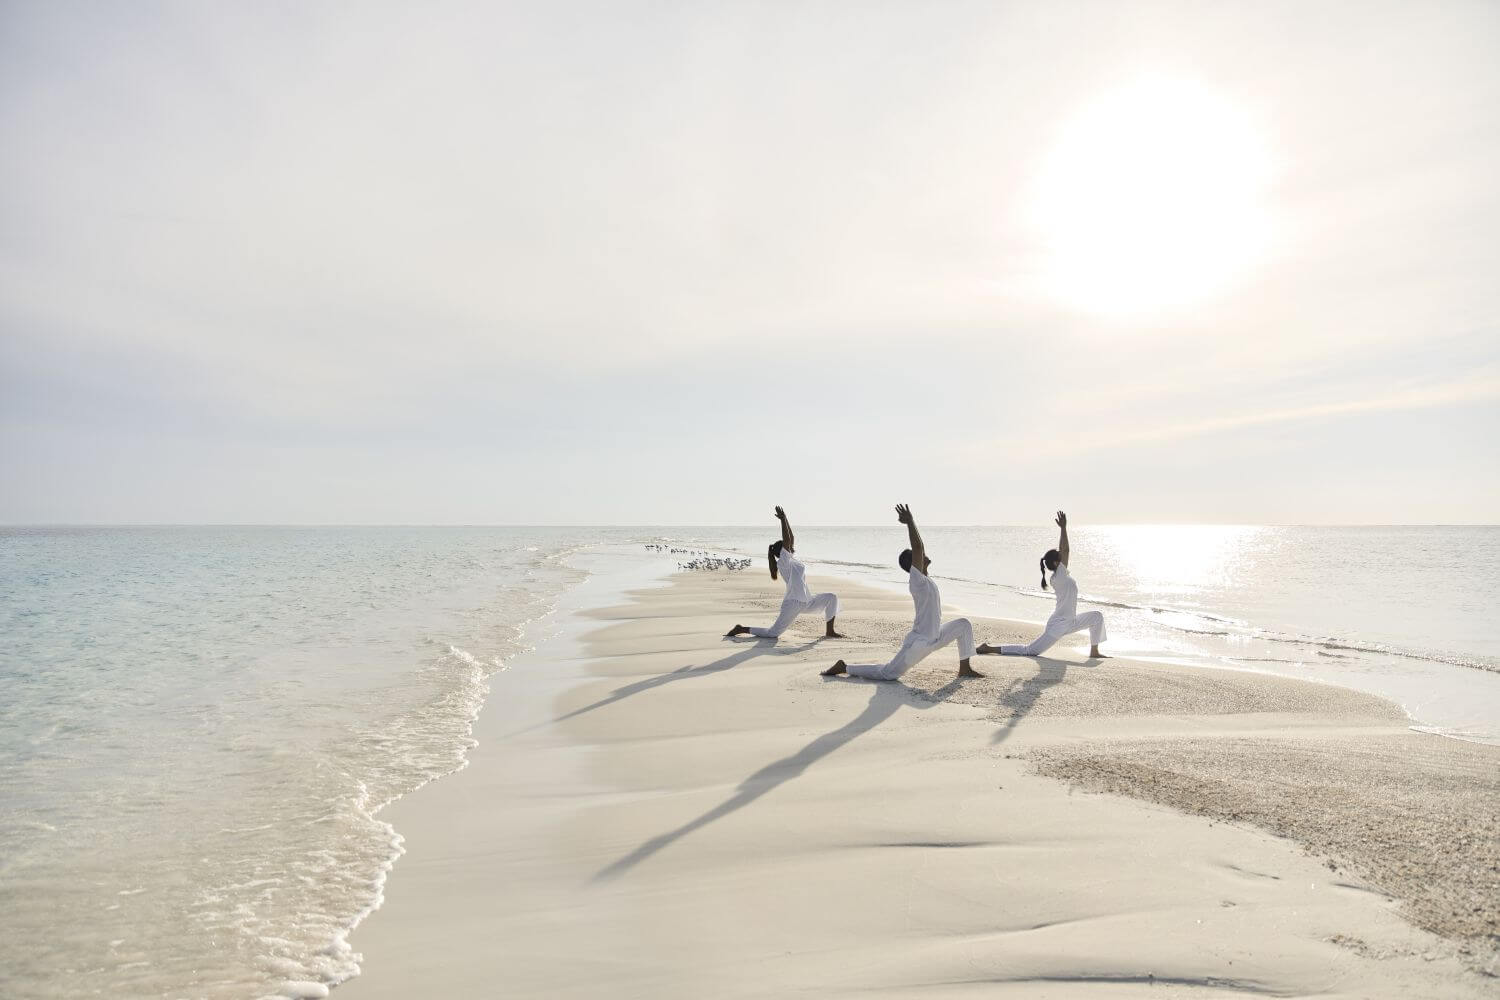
[672, 263]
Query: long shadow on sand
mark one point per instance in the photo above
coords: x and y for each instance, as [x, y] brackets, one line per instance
[1022, 695]
[885, 700]
[761, 647]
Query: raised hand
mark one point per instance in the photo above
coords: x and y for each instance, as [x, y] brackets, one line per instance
[1061, 519]
[903, 513]
[787, 538]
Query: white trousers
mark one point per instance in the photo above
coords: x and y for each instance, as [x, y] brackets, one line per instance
[1091, 620]
[916, 648]
[790, 609]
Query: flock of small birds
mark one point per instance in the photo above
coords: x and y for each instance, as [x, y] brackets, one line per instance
[702, 560]
[716, 563]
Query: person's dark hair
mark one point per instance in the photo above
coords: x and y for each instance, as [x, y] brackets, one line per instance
[1049, 560]
[773, 551]
[905, 559]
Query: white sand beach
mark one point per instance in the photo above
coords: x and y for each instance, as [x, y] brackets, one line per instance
[399, 403]
[655, 811]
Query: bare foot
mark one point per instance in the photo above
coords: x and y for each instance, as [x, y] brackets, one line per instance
[737, 630]
[964, 670]
[831, 634]
[835, 670]
[1094, 654]
[985, 648]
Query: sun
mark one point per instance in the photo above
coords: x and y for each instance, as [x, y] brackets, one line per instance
[1153, 199]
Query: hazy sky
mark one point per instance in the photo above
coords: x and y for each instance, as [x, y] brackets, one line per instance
[674, 263]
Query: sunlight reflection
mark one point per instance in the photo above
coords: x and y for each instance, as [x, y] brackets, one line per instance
[1181, 558]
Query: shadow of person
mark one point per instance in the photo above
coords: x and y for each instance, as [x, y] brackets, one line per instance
[760, 648]
[885, 700]
[1022, 695]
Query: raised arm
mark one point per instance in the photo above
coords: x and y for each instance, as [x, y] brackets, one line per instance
[787, 538]
[1062, 541]
[918, 551]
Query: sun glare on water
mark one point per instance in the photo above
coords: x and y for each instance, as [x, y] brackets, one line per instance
[1152, 200]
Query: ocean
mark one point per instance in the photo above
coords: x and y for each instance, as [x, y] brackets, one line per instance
[200, 725]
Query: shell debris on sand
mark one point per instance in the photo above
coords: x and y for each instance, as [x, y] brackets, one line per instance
[1415, 816]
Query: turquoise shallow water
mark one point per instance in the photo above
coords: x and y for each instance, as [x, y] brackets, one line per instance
[198, 726]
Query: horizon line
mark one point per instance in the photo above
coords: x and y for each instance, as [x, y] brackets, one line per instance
[810, 524]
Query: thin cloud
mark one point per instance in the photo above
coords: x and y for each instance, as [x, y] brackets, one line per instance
[1415, 398]
[1472, 389]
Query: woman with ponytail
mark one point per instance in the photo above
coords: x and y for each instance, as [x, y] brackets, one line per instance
[1065, 617]
[798, 601]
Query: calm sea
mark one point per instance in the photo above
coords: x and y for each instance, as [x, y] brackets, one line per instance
[198, 725]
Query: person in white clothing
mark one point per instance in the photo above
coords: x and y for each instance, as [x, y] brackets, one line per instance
[1065, 617]
[781, 556]
[927, 636]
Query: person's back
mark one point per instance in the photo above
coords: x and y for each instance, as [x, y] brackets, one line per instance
[794, 572]
[928, 602]
[1066, 589]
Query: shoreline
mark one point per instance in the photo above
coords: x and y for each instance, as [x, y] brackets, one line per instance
[581, 808]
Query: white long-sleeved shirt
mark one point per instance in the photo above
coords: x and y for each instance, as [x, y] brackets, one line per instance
[924, 594]
[1066, 590]
[795, 574]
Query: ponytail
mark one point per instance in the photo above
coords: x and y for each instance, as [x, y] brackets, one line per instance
[1051, 557]
[772, 551]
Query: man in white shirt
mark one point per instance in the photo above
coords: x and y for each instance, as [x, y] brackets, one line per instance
[781, 555]
[927, 635]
